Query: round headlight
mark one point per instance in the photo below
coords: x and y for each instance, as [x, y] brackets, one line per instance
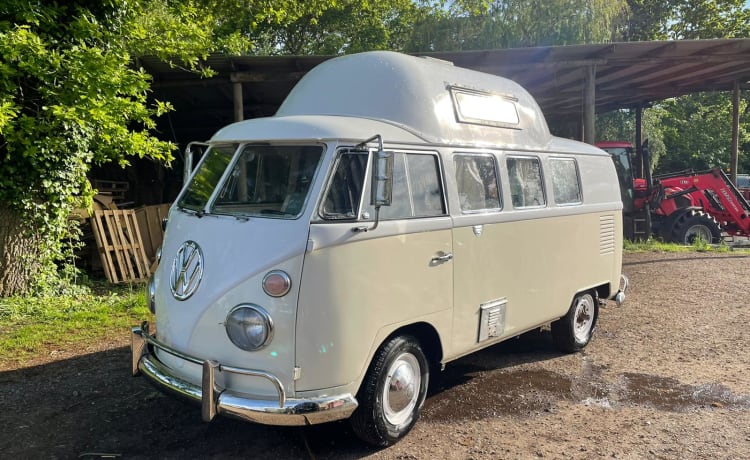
[151, 295]
[249, 327]
[276, 283]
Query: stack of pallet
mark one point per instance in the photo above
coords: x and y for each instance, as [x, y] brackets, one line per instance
[121, 248]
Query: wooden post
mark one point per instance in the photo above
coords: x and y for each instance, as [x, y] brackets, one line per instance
[239, 108]
[734, 162]
[589, 105]
[638, 142]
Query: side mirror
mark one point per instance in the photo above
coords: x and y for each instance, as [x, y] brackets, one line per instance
[382, 178]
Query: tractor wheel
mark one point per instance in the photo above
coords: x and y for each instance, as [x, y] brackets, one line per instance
[695, 225]
[392, 393]
[573, 331]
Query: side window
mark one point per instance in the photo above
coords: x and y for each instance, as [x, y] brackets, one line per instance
[525, 177]
[427, 191]
[477, 182]
[565, 184]
[345, 190]
[417, 188]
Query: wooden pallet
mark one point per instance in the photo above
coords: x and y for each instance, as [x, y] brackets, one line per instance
[120, 246]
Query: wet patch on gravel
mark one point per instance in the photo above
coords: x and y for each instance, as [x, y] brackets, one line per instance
[668, 394]
[523, 392]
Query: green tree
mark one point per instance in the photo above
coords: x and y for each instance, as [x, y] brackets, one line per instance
[702, 19]
[697, 132]
[71, 96]
[519, 23]
[345, 26]
[645, 20]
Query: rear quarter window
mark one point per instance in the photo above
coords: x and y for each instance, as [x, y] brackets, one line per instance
[566, 185]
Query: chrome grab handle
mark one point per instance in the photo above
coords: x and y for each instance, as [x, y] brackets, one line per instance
[445, 257]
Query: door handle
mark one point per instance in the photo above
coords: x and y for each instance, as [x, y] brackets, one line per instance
[444, 257]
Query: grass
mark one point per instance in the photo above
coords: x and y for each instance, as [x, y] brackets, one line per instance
[30, 326]
[652, 245]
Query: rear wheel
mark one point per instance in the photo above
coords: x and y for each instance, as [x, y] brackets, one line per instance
[392, 393]
[696, 225]
[573, 331]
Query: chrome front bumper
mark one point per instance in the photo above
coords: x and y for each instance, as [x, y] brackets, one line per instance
[214, 400]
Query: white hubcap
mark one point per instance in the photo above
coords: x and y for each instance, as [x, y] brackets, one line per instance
[584, 318]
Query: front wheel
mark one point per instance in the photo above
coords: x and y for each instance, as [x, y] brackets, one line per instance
[573, 331]
[696, 225]
[392, 393]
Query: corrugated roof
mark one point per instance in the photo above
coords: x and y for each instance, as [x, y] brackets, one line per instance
[627, 74]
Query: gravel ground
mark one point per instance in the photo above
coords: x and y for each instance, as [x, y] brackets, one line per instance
[665, 377]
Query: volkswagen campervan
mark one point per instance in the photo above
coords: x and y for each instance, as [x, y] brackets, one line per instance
[396, 214]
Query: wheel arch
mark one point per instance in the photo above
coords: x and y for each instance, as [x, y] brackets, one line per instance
[425, 333]
[427, 336]
[603, 291]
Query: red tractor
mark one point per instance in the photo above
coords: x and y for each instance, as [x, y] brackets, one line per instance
[678, 207]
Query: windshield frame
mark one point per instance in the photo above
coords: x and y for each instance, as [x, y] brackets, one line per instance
[186, 187]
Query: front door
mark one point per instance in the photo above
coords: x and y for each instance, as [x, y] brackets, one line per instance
[359, 285]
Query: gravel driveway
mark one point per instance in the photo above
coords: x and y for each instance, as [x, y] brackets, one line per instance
[666, 376]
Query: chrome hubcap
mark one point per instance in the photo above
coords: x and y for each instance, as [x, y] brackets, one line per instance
[584, 318]
[401, 389]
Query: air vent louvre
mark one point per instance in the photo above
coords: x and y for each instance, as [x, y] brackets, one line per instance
[492, 319]
[606, 234]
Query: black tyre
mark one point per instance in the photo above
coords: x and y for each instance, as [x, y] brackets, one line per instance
[573, 331]
[695, 225]
[392, 393]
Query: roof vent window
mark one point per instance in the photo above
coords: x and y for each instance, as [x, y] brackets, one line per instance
[484, 108]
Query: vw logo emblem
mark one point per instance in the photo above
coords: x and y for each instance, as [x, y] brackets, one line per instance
[187, 270]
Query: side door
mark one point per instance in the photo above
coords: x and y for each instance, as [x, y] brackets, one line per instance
[512, 270]
[480, 255]
[359, 286]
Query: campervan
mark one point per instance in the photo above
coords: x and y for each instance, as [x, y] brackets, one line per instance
[397, 213]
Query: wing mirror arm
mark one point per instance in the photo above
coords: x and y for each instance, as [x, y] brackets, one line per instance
[381, 180]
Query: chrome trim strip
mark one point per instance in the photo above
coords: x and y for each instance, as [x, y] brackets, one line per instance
[213, 401]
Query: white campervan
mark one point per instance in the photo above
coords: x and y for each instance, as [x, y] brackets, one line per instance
[396, 213]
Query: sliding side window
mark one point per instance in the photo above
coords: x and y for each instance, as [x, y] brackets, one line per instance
[526, 186]
[417, 187]
[476, 178]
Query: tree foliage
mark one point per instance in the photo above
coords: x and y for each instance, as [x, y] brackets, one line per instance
[697, 131]
[70, 96]
[519, 23]
[345, 26]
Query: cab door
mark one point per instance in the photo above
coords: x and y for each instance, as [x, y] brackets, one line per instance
[358, 285]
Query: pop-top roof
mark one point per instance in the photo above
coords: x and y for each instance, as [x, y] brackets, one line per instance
[435, 100]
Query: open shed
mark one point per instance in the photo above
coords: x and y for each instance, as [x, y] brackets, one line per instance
[570, 83]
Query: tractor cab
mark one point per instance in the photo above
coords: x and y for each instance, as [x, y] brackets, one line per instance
[621, 153]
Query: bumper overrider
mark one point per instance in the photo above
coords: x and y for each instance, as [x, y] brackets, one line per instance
[214, 400]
